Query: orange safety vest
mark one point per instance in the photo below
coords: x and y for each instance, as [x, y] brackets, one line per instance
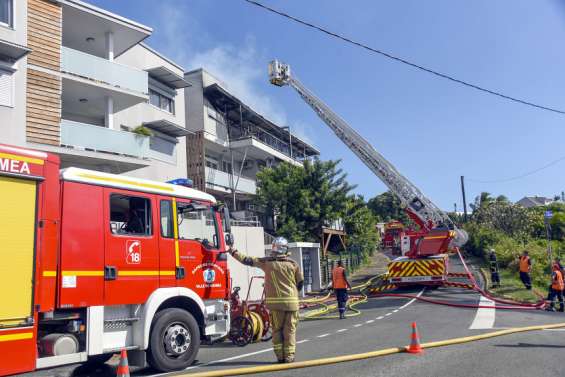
[338, 278]
[557, 283]
[524, 265]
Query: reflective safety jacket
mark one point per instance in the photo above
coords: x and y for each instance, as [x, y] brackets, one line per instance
[338, 278]
[525, 263]
[557, 280]
[283, 279]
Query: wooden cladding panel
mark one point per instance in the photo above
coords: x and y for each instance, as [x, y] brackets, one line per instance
[195, 160]
[43, 110]
[45, 31]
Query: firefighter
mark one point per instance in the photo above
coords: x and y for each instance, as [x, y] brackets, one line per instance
[340, 285]
[525, 268]
[494, 275]
[283, 281]
[556, 288]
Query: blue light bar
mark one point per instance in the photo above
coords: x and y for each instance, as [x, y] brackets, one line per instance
[187, 182]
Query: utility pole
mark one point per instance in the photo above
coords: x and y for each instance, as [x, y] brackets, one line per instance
[464, 199]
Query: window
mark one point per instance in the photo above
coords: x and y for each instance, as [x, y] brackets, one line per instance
[130, 215]
[6, 88]
[162, 145]
[198, 222]
[161, 101]
[167, 219]
[6, 13]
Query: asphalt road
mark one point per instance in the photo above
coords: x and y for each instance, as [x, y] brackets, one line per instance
[384, 323]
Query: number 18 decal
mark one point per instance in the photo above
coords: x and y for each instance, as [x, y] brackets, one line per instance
[133, 252]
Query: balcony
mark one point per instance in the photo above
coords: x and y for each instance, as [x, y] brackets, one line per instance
[102, 72]
[102, 139]
[221, 181]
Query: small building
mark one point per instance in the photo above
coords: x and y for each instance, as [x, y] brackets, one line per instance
[534, 201]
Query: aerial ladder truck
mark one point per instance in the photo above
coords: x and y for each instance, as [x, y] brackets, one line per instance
[425, 250]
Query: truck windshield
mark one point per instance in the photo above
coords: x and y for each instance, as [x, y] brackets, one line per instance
[198, 222]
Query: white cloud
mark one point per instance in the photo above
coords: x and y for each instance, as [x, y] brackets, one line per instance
[242, 68]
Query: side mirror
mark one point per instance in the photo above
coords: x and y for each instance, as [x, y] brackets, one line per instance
[229, 239]
[227, 220]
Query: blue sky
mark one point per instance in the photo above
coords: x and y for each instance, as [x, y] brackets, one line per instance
[432, 130]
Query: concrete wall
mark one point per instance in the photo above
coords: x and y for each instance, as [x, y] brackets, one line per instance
[144, 58]
[12, 119]
[248, 240]
[194, 104]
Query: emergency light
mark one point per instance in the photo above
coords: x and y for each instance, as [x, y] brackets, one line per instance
[187, 182]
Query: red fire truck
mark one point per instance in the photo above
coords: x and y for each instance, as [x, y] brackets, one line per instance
[92, 263]
[392, 236]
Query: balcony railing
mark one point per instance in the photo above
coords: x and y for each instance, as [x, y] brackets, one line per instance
[102, 139]
[103, 71]
[273, 142]
[222, 179]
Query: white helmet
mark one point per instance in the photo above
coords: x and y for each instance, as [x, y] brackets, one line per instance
[279, 246]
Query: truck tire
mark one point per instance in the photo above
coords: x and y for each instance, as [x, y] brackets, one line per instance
[174, 340]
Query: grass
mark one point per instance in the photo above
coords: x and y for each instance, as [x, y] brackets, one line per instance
[511, 287]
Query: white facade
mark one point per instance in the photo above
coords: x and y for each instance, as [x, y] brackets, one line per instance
[114, 84]
[166, 151]
[13, 39]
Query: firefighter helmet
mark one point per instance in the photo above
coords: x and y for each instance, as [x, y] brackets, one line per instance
[280, 246]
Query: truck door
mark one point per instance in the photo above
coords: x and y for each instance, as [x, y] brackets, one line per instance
[200, 254]
[17, 237]
[131, 258]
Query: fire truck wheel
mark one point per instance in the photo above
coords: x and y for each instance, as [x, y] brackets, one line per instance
[174, 340]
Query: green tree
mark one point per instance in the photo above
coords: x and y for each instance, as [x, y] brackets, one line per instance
[361, 226]
[387, 207]
[303, 199]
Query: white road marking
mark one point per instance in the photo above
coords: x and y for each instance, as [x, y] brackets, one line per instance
[484, 319]
[553, 329]
[222, 360]
[395, 310]
[414, 299]
[299, 342]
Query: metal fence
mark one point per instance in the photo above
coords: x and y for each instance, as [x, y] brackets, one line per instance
[351, 262]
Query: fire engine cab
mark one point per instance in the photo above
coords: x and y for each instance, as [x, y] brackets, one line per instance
[91, 263]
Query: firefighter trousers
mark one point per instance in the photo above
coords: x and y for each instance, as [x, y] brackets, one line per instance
[284, 325]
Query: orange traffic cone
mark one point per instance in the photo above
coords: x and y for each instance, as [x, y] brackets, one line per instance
[414, 341]
[123, 367]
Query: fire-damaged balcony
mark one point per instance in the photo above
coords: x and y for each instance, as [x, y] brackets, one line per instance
[255, 135]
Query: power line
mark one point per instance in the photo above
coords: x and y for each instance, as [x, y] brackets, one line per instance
[403, 61]
[531, 172]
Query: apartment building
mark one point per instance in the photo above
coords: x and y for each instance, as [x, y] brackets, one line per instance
[96, 94]
[231, 142]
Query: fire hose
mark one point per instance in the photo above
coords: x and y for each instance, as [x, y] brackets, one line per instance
[507, 304]
[325, 308]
